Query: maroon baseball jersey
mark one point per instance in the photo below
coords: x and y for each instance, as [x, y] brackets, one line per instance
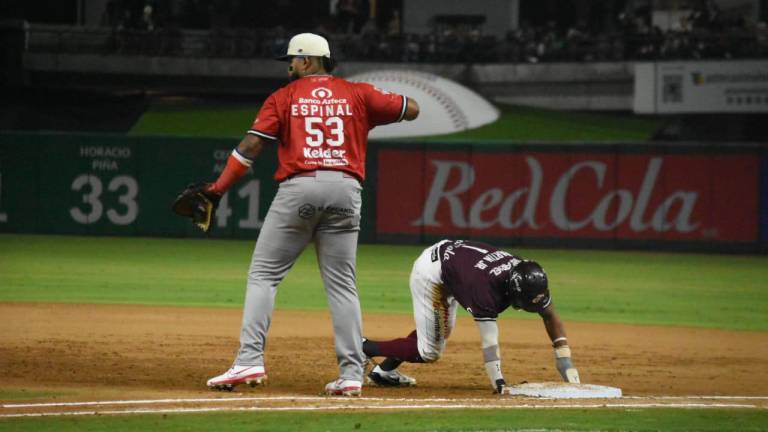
[322, 122]
[476, 275]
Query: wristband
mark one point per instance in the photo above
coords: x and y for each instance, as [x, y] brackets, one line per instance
[558, 340]
[562, 352]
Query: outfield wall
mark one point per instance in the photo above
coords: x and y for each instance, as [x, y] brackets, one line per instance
[649, 196]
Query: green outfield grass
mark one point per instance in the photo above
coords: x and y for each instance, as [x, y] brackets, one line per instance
[200, 121]
[715, 291]
[529, 420]
[515, 123]
[534, 124]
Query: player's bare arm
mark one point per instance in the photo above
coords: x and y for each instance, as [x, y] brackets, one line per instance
[556, 331]
[554, 326]
[250, 146]
[489, 334]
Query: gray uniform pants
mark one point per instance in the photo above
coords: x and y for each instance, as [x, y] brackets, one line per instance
[325, 208]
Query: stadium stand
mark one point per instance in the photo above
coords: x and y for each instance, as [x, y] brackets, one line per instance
[704, 33]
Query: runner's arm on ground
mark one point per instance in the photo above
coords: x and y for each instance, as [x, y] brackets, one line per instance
[489, 334]
[556, 331]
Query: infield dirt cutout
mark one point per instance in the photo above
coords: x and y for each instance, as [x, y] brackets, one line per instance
[66, 354]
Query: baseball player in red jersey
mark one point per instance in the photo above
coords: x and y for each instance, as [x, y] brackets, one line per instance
[320, 124]
[483, 280]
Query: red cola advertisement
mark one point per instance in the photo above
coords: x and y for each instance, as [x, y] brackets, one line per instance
[600, 195]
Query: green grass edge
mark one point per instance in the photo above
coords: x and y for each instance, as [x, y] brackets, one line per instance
[569, 419]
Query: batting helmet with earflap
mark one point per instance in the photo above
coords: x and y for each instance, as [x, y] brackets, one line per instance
[528, 287]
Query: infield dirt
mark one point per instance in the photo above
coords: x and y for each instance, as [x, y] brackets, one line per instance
[121, 352]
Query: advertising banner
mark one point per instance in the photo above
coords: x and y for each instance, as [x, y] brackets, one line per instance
[646, 196]
[600, 195]
[701, 87]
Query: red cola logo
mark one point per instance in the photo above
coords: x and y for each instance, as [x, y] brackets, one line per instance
[493, 207]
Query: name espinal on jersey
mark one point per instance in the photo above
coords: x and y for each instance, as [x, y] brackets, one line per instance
[323, 124]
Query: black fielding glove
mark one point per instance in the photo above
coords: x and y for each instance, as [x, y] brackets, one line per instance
[199, 203]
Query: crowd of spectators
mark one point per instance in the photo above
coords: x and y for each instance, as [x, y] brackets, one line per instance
[146, 27]
[703, 33]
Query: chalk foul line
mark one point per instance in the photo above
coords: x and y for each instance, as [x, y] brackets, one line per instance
[374, 407]
[369, 403]
[330, 400]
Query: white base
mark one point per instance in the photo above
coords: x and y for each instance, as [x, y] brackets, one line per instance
[564, 390]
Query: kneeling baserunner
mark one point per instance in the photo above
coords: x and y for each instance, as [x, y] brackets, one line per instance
[483, 280]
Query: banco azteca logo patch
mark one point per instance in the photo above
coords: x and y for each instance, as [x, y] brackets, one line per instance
[321, 93]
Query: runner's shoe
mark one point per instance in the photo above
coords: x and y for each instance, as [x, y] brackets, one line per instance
[391, 378]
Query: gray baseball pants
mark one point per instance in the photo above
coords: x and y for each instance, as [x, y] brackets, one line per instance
[325, 208]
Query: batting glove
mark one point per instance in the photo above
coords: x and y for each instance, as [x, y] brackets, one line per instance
[565, 365]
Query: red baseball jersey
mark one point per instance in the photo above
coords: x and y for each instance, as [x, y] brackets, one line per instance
[322, 122]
